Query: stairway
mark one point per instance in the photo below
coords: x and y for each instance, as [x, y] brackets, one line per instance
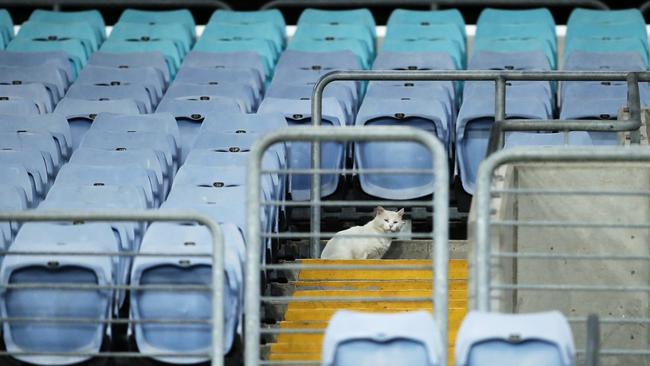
[354, 283]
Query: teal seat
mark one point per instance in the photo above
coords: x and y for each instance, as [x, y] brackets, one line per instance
[72, 47]
[92, 17]
[513, 44]
[536, 30]
[175, 32]
[267, 31]
[354, 16]
[6, 27]
[618, 30]
[182, 16]
[273, 16]
[165, 47]
[357, 47]
[326, 31]
[427, 17]
[430, 45]
[262, 47]
[581, 16]
[415, 31]
[522, 17]
[51, 31]
[607, 45]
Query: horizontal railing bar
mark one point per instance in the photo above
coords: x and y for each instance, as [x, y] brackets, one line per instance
[81, 286]
[107, 354]
[423, 203]
[101, 254]
[338, 267]
[288, 235]
[348, 171]
[290, 299]
[586, 288]
[291, 331]
[571, 256]
[564, 192]
[534, 125]
[569, 224]
[104, 321]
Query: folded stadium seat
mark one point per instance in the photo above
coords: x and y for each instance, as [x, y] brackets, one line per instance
[430, 116]
[190, 113]
[427, 17]
[426, 30]
[80, 113]
[416, 61]
[104, 92]
[303, 91]
[56, 60]
[354, 31]
[128, 175]
[518, 45]
[33, 162]
[235, 122]
[34, 92]
[185, 306]
[509, 30]
[6, 27]
[334, 44]
[522, 17]
[58, 270]
[247, 60]
[490, 60]
[619, 30]
[607, 45]
[145, 159]
[243, 94]
[416, 91]
[73, 48]
[83, 32]
[139, 140]
[273, 16]
[265, 31]
[212, 76]
[147, 77]
[334, 17]
[355, 338]
[153, 17]
[18, 106]
[623, 61]
[12, 198]
[54, 124]
[14, 175]
[42, 142]
[580, 16]
[308, 76]
[509, 339]
[240, 140]
[175, 32]
[54, 81]
[298, 112]
[92, 17]
[261, 47]
[341, 60]
[133, 60]
[434, 45]
[525, 100]
[163, 46]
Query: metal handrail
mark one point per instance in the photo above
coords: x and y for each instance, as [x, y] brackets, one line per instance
[440, 234]
[593, 341]
[218, 247]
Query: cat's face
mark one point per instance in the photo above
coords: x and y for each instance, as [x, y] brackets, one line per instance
[389, 221]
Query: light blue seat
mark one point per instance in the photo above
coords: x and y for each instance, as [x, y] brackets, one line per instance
[58, 270]
[581, 16]
[235, 122]
[16, 176]
[154, 60]
[261, 47]
[506, 30]
[448, 31]
[42, 142]
[137, 93]
[521, 17]
[54, 81]
[243, 94]
[153, 17]
[73, 48]
[341, 92]
[618, 30]
[413, 61]
[248, 60]
[607, 45]
[165, 47]
[334, 17]
[273, 16]
[146, 77]
[427, 17]
[139, 159]
[427, 46]
[81, 31]
[92, 17]
[509, 339]
[54, 124]
[175, 32]
[57, 60]
[6, 27]
[309, 76]
[213, 76]
[490, 60]
[355, 338]
[12, 198]
[441, 92]
[185, 305]
[37, 93]
[265, 31]
[190, 113]
[517, 44]
[624, 61]
[240, 140]
[18, 106]
[34, 163]
[340, 60]
[429, 115]
[326, 31]
[334, 44]
[80, 113]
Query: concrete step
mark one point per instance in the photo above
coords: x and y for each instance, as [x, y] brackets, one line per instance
[457, 270]
[326, 314]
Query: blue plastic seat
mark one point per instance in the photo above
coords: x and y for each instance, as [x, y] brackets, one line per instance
[440, 91]
[153, 17]
[243, 94]
[54, 81]
[427, 46]
[58, 270]
[83, 32]
[335, 44]
[12, 198]
[73, 48]
[145, 77]
[42, 142]
[212, 76]
[6, 27]
[413, 61]
[308, 76]
[54, 124]
[518, 45]
[92, 17]
[16, 176]
[489, 60]
[334, 17]
[136, 93]
[448, 31]
[34, 163]
[265, 31]
[427, 17]
[80, 113]
[341, 92]
[354, 338]
[175, 32]
[509, 339]
[247, 60]
[327, 31]
[619, 30]
[165, 47]
[624, 61]
[236, 122]
[57, 60]
[240, 140]
[34, 92]
[18, 106]
[273, 16]
[506, 30]
[521, 17]
[580, 16]
[138, 60]
[261, 47]
[186, 305]
[340, 60]
[607, 45]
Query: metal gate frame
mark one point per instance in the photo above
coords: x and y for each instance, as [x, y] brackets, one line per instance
[218, 248]
[440, 235]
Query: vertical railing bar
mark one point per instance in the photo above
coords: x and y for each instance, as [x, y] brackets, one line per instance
[634, 104]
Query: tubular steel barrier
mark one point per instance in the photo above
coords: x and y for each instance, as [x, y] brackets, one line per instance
[255, 233]
[216, 289]
[566, 229]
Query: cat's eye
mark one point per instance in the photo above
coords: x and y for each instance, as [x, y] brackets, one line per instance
[386, 220]
[394, 222]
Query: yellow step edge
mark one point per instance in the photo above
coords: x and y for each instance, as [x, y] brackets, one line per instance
[298, 339]
[322, 324]
[453, 295]
[386, 305]
[304, 348]
[309, 275]
[378, 285]
[453, 263]
[326, 314]
[317, 357]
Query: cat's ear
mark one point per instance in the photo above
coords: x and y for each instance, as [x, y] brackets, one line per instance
[401, 212]
[379, 210]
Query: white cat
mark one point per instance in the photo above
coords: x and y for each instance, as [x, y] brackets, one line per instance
[342, 247]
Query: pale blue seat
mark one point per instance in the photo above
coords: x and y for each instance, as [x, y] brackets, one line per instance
[105, 92]
[491, 60]
[54, 124]
[240, 140]
[12, 198]
[427, 17]
[355, 338]
[427, 46]
[617, 30]
[153, 17]
[334, 44]
[42, 142]
[308, 76]
[73, 48]
[185, 305]
[607, 45]
[55, 81]
[413, 61]
[439, 91]
[145, 77]
[6, 27]
[581, 16]
[18, 106]
[508, 30]
[334, 17]
[273, 16]
[303, 91]
[57, 60]
[92, 17]
[213, 76]
[266, 31]
[261, 47]
[518, 45]
[15, 175]
[304, 60]
[81, 31]
[521, 17]
[326, 31]
[57, 270]
[235, 122]
[37, 93]
[80, 113]
[175, 32]
[34, 163]
[623, 61]
[448, 31]
[514, 339]
[165, 47]
[242, 94]
[229, 60]
[137, 60]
